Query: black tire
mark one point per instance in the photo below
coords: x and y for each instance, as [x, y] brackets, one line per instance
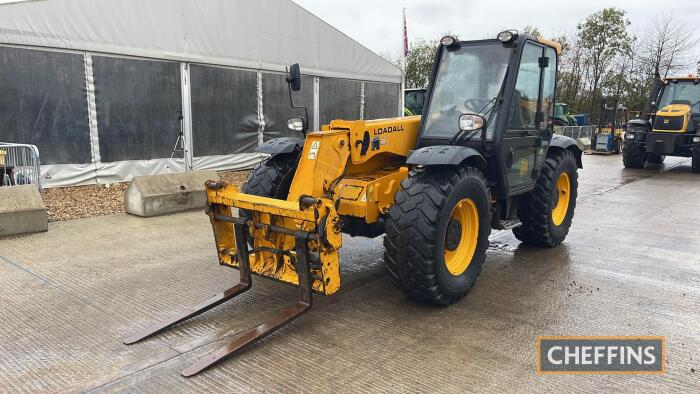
[696, 160]
[536, 208]
[417, 226]
[633, 155]
[655, 158]
[272, 177]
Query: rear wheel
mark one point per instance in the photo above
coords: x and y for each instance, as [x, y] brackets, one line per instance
[633, 155]
[547, 212]
[437, 233]
[696, 160]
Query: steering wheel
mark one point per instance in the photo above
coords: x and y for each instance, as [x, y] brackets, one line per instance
[477, 104]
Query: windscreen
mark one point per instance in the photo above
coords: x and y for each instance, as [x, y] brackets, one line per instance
[681, 91]
[467, 81]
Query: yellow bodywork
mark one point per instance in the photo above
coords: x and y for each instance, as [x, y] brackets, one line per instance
[669, 112]
[352, 168]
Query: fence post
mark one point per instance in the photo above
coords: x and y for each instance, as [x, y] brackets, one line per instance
[92, 114]
[317, 106]
[362, 100]
[186, 114]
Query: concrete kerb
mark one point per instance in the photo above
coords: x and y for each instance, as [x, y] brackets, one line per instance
[22, 211]
[156, 195]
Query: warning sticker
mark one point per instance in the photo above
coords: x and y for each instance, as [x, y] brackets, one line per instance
[313, 152]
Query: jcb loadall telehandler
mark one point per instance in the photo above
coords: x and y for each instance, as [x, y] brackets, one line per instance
[669, 125]
[482, 156]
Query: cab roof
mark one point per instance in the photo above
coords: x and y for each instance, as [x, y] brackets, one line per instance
[692, 78]
[555, 45]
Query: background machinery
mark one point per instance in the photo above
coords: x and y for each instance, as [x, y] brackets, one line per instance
[482, 156]
[668, 126]
[562, 116]
[413, 100]
[612, 122]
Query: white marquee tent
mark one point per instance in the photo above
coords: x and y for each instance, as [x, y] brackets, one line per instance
[97, 84]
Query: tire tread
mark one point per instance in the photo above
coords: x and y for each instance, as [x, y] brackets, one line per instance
[411, 229]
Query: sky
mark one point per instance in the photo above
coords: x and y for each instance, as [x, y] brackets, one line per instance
[377, 24]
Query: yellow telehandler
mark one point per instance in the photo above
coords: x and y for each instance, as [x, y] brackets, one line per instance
[668, 126]
[483, 155]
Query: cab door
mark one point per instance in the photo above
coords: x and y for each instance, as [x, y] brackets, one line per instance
[528, 130]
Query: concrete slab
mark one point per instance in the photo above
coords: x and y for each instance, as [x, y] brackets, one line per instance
[22, 211]
[156, 195]
[584, 143]
[628, 267]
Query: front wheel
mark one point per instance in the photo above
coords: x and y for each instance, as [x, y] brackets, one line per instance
[633, 155]
[696, 160]
[437, 233]
[548, 210]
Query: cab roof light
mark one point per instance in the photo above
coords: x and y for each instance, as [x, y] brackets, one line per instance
[507, 35]
[450, 42]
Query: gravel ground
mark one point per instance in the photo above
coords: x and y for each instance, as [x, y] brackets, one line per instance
[68, 203]
[238, 178]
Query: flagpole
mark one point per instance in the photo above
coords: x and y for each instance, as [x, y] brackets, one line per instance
[404, 54]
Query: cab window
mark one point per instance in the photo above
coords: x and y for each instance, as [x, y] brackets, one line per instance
[549, 86]
[523, 110]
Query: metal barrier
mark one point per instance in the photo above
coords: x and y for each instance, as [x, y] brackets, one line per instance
[575, 132]
[19, 165]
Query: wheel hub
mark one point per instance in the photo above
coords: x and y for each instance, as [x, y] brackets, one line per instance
[461, 236]
[561, 198]
[454, 234]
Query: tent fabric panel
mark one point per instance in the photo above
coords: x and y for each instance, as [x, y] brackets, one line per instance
[224, 110]
[252, 34]
[43, 102]
[276, 106]
[381, 100]
[137, 107]
[339, 99]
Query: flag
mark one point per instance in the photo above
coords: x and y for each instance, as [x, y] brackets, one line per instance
[406, 50]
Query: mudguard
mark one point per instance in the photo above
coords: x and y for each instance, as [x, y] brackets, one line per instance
[281, 145]
[445, 155]
[643, 124]
[568, 143]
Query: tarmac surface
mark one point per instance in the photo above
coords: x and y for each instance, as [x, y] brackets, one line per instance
[630, 266]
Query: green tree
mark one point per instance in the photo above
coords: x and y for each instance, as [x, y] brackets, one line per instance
[532, 30]
[419, 63]
[604, 36]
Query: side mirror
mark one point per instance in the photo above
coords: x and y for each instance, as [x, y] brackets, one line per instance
[471, 122]
[294, 77]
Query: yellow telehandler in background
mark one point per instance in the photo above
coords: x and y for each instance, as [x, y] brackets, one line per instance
[483, 155]
[668, 126]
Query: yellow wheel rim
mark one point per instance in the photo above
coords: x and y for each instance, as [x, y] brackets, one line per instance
[461, 245]
[564, 195]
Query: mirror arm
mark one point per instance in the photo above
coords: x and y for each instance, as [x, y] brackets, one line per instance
[291, 102]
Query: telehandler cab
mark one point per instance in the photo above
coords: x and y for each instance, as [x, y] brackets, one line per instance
[669, 125]
[482, 156]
